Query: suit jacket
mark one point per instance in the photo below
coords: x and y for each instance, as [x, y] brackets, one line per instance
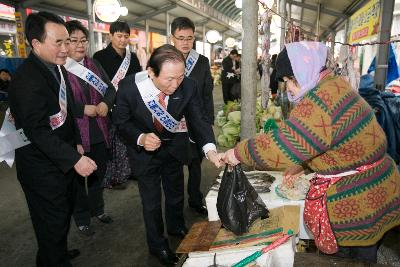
[227, 66]
[110, 60]
[202, 75]
[33, 99]
[132, 118]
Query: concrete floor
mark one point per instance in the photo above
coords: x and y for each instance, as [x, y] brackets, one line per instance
[120, 244]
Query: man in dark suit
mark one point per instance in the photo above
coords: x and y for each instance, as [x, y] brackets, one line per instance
[46, 168]
[159, 154]
[112, 60]
[197, 68]
[228, 75]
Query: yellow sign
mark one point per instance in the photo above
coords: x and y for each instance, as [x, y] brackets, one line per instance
[365, 22]
[20, 35]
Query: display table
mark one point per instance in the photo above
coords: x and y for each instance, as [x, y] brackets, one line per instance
[271, 200]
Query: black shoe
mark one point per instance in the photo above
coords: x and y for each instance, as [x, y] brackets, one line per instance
[73, 253]
[104, 218]
[165, 256]
[181, 233]
[202, 210]
[86, 230]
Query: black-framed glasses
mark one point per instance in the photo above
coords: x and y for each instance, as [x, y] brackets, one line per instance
[183, 38]
[75, 42]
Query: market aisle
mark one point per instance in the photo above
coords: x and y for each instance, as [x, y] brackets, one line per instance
[119, 244]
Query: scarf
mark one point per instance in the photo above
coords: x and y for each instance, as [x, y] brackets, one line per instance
[95, 98]
[307, 60]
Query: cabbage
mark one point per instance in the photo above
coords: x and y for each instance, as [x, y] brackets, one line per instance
[231, 129]
[220, 121]
[234, 117]
[222, 141]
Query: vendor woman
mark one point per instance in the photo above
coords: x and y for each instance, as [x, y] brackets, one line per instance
[354, 198]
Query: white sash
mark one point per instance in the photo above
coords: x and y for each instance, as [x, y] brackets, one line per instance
[87, 75]
[146, 86]
[11, 139]
[58, 119]
[191, 61]
[123, 69]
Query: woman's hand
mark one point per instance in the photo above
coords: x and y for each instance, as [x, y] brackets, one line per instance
[102, 109]
[230, 158]
[215, 158]
[150, 141]
[291, 174]
[90, 110]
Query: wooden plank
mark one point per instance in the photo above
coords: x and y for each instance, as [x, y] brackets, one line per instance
[200, 237]
[312, 259]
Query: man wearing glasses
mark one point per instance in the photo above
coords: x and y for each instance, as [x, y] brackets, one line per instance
[197, 68]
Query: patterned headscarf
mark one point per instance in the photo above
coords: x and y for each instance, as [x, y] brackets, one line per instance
[308, 60]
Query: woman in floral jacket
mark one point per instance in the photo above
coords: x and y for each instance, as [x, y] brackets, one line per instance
[355, 196]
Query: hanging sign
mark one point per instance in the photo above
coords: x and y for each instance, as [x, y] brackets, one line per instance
[20, 35]
[365, 22]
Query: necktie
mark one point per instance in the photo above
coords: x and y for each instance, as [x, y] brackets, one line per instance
[161, 100]
[57, 74]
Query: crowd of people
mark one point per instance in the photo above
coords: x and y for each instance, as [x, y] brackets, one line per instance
[96, 122]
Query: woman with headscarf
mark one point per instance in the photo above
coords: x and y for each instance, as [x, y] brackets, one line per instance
[354, 197]
[94, 96]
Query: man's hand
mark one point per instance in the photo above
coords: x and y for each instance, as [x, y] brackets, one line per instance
[90, 110]
[102, 109]
[80, 149]
[150, 141]
[215, 158]
[230, 158]
[85, 166]
[291, 174]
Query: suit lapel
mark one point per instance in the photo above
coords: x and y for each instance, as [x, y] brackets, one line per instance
[174, 102]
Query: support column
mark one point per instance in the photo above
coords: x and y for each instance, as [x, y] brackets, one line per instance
[318, 21]
[223, 45]
[168, 28]
[282, 12]
[89, 7]
[249, 69]
[146, 23]
[204, 40]
[382, 56]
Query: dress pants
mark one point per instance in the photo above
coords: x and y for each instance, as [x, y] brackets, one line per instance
[226, 90]
[194, 181]
[166, 170]
[91, 204]
[50, 201]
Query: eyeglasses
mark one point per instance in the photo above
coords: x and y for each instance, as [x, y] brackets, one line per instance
[75, 42]
[183, 38]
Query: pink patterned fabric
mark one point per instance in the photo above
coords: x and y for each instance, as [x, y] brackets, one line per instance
[307, 60]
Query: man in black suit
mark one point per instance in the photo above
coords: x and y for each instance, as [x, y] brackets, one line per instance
[161, 149]
[197, 68]
[112, 59]
[228, 75]
[47, 167]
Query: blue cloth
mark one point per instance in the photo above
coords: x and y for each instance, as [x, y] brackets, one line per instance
[387, 112]
[393, 70]
[10, 63]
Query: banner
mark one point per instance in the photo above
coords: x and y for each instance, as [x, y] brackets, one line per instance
[365, 22]
[20, 35]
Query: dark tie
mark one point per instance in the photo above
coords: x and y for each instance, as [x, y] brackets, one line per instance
[57, 74]
[161, 100]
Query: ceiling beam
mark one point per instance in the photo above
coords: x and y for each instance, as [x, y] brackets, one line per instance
[315, 8]
[153, 13]
[230, 10]
[308, 23]
[28, 3]
[221, 4]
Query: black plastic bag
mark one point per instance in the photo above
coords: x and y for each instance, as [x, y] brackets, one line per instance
[238, 204]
